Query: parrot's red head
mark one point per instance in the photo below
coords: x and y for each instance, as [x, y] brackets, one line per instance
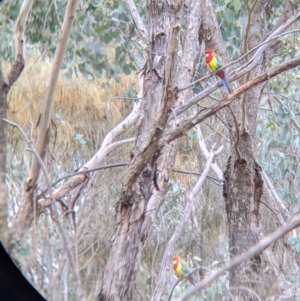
[208, 55]
[175, 260]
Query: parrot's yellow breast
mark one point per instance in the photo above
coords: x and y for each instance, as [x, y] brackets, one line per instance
[213, 64]
[179, 272]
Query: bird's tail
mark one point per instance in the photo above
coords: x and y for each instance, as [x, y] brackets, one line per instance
[226, 85]
[192, 279]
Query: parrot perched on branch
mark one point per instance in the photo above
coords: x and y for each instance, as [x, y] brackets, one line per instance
[214, 63]
[180, 268]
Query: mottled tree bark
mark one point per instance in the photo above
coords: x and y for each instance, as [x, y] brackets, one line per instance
[145, 185]
[3, 194]
[243, 180]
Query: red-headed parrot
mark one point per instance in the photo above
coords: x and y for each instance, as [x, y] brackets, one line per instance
[180, 268]
[214, 63]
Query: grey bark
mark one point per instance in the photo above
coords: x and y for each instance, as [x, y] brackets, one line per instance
[243, 181]
[3, 193]
[144, 187]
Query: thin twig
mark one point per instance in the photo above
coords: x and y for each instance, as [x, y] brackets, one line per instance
[236, 61]
[250, 11]
[48, 181]
[190, 198]
[257, 248]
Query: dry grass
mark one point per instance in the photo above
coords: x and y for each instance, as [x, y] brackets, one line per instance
[80, 106]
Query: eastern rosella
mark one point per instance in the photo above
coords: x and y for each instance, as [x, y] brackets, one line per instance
[214, 63]
[180, 268]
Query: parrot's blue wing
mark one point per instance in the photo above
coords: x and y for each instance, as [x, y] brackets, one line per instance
[184, 268]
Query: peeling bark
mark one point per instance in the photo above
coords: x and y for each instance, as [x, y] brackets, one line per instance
[144, 188]
[242, 193]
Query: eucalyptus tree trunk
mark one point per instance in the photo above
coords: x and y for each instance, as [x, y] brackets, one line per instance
[6, 82]
[3, 205]
[145, 185]
[243, 180]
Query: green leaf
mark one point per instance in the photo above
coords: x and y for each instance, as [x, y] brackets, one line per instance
[127, 69]
[237, 4]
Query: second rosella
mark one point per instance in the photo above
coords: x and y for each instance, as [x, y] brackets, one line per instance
[214, 63]
[180, 268]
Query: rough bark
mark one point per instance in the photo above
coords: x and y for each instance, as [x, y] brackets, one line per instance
[184, 76]
[144, 188]
[3, 193]
[243, 181]
[145, 185]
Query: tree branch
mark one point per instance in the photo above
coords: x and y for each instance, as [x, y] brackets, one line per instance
[205, 152]
[19, 62]
[48, 181]
[257, 248]
[181, 225]
[203, 114]
[45, 118]
[139, 24]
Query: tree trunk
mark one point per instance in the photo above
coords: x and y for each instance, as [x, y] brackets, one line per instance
[145, 185]
[6, 83]
[243, 180]
[3, 204]
[242, 193]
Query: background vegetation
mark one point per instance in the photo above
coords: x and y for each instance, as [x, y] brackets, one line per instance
[97, 89]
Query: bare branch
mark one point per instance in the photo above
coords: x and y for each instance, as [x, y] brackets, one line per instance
[80, 177]
[43, 127]
[206, 153]
[106, 147]
[19, 63]
[257, 248]
[203, 114]
[139, 24]
[234, 74]
[120, 128]
[186, 214]
[296, 124]
[48, 181]
[21, 26]
[250, 12]
[275, 195]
